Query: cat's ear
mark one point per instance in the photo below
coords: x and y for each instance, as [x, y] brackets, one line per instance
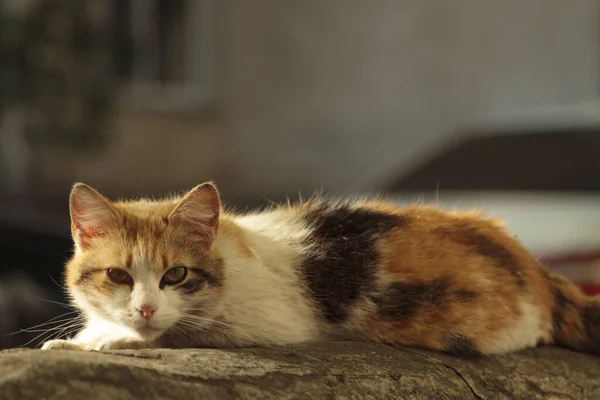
[198, 213]
[92, 215]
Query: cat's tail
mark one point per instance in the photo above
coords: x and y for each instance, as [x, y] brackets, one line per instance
[575, 316]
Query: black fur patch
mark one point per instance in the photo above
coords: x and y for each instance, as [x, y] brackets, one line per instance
[343, 259]
[462, 346]
[560, 304]
[590, 318]
[212, 280]
[465, 295]
[192, 285]
[197, 282]
[552, 277]
[402, 300]
[86, 274]
[588, 339]
[486, 247]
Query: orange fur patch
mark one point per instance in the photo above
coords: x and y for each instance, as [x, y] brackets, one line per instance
[229, 228]
[470, 255]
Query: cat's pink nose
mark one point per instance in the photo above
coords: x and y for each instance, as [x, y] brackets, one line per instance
[147, 311]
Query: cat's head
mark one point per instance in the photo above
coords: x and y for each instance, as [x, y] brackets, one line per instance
[146, 265]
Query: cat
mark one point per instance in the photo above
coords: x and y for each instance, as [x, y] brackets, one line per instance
[182, 272]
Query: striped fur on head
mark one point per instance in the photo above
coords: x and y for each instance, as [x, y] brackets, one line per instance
[145, 240]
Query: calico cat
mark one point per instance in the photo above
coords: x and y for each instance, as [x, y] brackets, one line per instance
[182, 272]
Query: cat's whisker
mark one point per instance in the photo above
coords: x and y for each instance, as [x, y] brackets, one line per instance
[213, 329]
[204, 325]
[68, 332]
[45, 327]
[42, 330]
[52, 322]
[196, 325]
[62, 323]
[64, 305]
[177, 330]
[210, 322]
[205, 319]
[49, 322]
[52, 329]
[59, 335]
[45, 335]
[56, 328]
[74, 325]
[62, 287]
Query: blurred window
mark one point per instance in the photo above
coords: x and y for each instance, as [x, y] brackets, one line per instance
[165, 52]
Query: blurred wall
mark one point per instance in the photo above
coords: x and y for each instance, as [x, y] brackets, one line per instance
[151, 153]
[345, 93]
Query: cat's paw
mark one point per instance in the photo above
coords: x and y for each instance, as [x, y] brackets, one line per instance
[63, 345]
[121, 344]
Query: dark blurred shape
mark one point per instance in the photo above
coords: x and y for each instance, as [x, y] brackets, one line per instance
[160, 56]
[560, 160]
[38, 254]
[24, 305]
[55, 60]
[121, 38]
[58, 87]
[30, 279]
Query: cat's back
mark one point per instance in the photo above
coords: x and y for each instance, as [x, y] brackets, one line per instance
[346, 225]
[374, 224]
[355, 248]
[412, 274]
[325, 219]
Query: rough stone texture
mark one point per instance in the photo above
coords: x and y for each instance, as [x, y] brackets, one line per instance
[340, 370]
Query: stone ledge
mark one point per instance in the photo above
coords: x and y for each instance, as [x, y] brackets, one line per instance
[341, 370]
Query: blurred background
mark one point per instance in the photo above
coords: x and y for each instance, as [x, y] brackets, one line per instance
[463, 103]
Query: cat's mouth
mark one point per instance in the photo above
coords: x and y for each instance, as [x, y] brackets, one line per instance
[148, 331]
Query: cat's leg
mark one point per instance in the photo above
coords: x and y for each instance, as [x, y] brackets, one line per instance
[84, 340]
[61, 344]
[124, 344]
[107, 343]
[100, 335]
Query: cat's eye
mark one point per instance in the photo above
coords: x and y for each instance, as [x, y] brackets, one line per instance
[119, 276]
[174, 275]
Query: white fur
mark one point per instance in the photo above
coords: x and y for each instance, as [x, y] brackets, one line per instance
[105, 313]
[264, 297]
[526, 332]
